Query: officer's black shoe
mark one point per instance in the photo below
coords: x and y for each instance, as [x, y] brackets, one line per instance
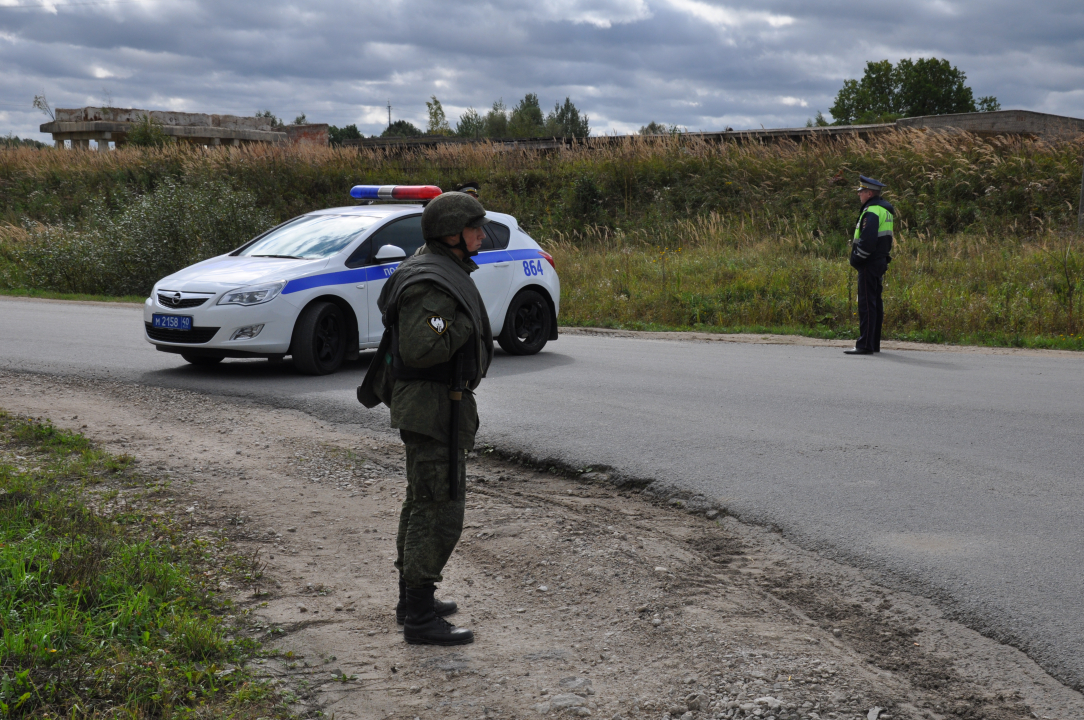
[423, 627]
[857, 351]
[443, 608]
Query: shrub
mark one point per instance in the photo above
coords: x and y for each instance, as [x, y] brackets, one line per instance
[152, 236]
[147, 132]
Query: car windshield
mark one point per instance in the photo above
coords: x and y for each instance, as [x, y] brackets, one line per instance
[311, 237]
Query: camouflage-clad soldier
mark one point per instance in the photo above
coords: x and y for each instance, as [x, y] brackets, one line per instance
[435, 322]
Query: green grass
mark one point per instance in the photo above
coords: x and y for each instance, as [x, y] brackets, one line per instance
[663, 232]
[107, 610]
[716, 274]
[50, 295]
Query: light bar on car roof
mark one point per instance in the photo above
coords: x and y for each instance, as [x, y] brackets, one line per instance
[395, 192]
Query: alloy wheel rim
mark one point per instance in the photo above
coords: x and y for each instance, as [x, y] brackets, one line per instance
[529, 323]
[327, 338]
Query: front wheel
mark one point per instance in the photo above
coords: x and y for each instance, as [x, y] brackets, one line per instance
[527, 325]
[201, 359]
[319, 343]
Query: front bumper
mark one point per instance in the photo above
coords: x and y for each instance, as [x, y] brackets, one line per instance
[214, 325]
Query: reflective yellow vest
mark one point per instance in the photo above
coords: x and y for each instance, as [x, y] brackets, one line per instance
[884, 221]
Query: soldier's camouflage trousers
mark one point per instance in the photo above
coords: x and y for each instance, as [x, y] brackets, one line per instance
[430, 523]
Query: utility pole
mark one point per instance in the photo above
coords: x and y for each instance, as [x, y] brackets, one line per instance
[389, 113]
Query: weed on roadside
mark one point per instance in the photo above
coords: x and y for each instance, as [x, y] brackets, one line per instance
[720, 274]
[106, 609]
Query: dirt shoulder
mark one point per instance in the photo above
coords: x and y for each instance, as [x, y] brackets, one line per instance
[587, 599]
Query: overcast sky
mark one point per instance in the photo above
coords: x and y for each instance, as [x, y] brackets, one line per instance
[700, 64]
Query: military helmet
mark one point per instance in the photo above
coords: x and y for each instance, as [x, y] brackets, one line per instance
[449, 213]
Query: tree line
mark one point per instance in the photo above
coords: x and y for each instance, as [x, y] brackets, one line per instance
[526, 119]
[884, 93]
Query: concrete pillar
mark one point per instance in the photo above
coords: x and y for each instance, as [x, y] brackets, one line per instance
[59, 144]
[82, 144]
[103, 145]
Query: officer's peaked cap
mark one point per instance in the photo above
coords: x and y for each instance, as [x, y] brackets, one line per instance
[471, 187]
[449, 213]
[866, 183]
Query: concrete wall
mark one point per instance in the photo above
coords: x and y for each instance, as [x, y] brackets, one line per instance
[312, 134]
[1007, 122]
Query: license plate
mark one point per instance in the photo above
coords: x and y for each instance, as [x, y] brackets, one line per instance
[172, 322]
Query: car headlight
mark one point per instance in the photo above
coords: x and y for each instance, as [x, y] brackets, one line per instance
[252, 295]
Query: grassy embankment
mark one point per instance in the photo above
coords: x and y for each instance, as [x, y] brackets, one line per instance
[109, 610]
[654, 233]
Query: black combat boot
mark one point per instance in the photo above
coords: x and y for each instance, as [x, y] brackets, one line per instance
[423, 627]
[443, 608]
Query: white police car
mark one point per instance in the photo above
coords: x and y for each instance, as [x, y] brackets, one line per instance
[308, 288]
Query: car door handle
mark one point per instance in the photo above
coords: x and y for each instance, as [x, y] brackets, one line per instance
[361, 286]
[504, 264]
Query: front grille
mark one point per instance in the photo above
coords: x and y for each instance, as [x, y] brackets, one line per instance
[167, 301]
[194, 336]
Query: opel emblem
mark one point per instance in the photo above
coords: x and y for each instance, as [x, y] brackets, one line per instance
[174, 299]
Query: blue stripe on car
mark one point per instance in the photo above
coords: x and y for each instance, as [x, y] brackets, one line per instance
[380, 272]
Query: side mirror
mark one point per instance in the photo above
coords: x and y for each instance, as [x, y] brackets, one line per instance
[387, 253]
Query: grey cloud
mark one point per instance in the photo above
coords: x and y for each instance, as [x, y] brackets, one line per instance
[624, 62]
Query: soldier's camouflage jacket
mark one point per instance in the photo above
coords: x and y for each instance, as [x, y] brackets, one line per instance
[432, 326]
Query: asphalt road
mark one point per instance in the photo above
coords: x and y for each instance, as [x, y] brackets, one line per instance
[959, 474]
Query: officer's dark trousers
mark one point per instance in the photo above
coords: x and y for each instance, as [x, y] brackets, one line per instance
[430, 523]
[871, 310]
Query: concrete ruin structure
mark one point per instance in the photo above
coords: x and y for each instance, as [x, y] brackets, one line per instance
[1001, 122]
[111, 125]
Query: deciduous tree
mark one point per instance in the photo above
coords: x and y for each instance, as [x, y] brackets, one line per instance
[927, 86]
[497, 120]
[336, 135]
[438, 122]
[401, 128]
[527, 119]
[471, 124]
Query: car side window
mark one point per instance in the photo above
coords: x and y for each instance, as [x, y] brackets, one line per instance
[497, 236]
[404, 232]
[360, 256]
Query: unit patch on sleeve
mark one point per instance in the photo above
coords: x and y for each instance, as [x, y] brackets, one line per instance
[438, 324]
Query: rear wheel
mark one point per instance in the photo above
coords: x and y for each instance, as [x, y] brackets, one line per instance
[319, 343]
[201, 359]
[527, 325]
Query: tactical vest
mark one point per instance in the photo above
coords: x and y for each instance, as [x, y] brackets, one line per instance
[441, 372]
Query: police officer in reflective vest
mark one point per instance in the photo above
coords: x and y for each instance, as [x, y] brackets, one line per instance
[870, 257]
[436, 348]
